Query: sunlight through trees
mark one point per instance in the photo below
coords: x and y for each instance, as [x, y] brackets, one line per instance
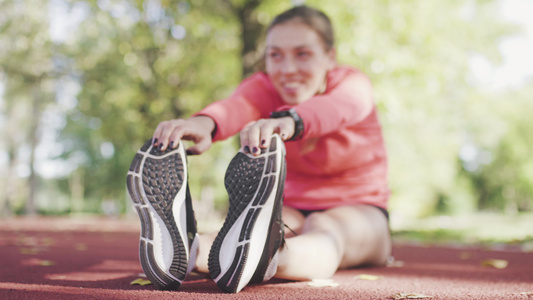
[84, 83]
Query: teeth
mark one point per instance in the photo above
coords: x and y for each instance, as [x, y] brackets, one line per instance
[291, 85]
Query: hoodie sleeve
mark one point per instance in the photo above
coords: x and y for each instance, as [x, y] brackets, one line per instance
[347, 101]
[253, 99]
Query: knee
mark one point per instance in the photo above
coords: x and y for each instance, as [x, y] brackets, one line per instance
[330, 227]
[365, 229]
[320, 221]
[294, 221]
[366, 217]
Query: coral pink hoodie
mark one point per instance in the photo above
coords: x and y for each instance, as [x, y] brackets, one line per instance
[341, 158]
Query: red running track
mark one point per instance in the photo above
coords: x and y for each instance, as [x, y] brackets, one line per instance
[43, 258]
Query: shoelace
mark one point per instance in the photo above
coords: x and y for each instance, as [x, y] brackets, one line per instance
[289, 229]
[283, 244]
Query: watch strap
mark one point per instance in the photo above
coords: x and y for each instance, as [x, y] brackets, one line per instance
[298, 122]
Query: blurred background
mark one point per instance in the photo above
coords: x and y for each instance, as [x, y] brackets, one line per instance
[83, 84]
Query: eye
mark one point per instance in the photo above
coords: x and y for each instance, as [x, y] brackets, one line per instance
[303, 54]
[274, 55]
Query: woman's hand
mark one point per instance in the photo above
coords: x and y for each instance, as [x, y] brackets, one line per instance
[257, 134]
[197, 129]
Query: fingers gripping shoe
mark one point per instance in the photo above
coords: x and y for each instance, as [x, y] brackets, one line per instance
[157, 186]
[245, 249]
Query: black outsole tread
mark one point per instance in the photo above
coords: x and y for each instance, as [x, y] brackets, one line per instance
[159, 182]
[250, 226]
[136, 164]
[245, 182]
[160, 190]
[146, 146]
[243, 174]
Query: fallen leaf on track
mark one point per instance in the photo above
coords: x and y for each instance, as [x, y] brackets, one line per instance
[465, 255]
[323, 283]
[48, 241]
[495, 263]
[367, 277]
[37, 262]
[408, 296]
[141, 281]
[29, 251]
[46, 263]
[80, 247]
[28, 241]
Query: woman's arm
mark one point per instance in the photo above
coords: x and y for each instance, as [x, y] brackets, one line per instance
[347, 103]
[252, 100]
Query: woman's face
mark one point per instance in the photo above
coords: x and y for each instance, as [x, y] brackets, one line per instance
[297, 61]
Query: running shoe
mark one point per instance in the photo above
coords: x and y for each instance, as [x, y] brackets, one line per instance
[157, 185]
[245, 250]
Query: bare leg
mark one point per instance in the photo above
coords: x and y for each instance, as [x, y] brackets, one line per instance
[291, 217]
[294, 220]
[340, 237]
[206, 240]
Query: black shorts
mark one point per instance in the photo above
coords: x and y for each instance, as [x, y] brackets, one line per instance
[308, 212]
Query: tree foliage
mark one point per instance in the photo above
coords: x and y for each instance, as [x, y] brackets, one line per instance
[26, 71]
[132, 64]
[497, 157]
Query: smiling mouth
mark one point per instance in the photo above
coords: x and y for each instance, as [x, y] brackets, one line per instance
[291, 87]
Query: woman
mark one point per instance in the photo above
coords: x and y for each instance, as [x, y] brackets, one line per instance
[335, 193]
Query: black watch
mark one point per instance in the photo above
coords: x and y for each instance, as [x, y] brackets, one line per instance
[298, 122]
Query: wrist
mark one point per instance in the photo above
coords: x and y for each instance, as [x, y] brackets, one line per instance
[206, 123]
[298, 122]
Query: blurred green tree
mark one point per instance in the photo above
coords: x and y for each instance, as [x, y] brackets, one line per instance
[417, 54]
[26, 67]
[497, 155]
[137, 63]
[143, 62]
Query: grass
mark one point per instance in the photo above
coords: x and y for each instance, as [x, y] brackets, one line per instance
[478, 228]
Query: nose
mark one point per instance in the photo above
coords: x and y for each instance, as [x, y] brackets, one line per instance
[289, 66]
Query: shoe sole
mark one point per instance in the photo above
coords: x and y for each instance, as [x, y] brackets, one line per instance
[254, 192]
[156, 184]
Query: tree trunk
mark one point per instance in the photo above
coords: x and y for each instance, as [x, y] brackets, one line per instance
[34, 141]
[251, 31]
[77, 190]
[5, 202]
